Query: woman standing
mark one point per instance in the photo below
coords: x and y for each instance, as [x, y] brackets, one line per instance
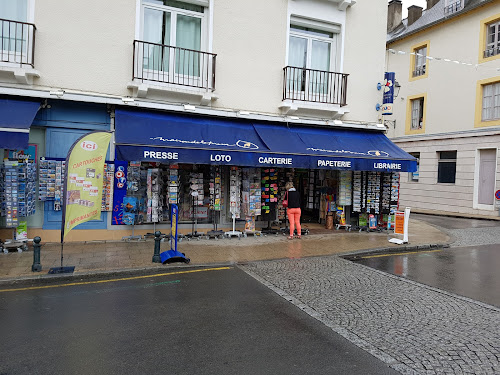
[293, 210]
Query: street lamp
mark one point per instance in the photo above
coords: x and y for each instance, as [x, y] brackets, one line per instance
[397, 87]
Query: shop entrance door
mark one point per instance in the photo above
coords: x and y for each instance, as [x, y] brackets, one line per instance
[307, 191]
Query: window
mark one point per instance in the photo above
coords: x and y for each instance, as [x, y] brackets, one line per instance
[492, 39]
[417, 114]
[416, 106]
[172, 35]
[452, 6]
[311, 56]
[413, 176]
[491, 102]
[14, 33]
[420, 61]
[447, 166]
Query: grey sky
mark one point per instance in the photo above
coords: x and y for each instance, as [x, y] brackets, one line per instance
[407, 3]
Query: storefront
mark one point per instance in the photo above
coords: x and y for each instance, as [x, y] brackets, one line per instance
[35, 137]
[214, 169]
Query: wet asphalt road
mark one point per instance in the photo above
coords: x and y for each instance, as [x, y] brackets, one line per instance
[469, 271]
[208, 322]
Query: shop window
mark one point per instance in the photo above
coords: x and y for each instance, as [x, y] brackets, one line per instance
[447, 166]
[414, 176]
[418, 65]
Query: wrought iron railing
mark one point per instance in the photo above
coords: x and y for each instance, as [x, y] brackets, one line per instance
[180, 66]
[492, 51]
[17, 42]
[419, 71]
[314, 85]
[452, 8]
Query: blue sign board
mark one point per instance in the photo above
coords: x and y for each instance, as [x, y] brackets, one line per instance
[390, 78]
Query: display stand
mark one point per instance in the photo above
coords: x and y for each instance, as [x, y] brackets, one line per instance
[215, 233]
[194, 220]
[14, 244]
[346, 226]
[17, 199]
[233, 232]
[132, 237]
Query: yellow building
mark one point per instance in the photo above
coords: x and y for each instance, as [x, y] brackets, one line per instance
[447, 112]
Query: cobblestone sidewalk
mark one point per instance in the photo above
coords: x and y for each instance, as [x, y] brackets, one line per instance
[414, 328]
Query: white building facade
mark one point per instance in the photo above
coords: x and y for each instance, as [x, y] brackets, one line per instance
[284, 62]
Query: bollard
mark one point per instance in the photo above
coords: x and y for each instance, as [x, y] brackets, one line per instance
[36, 267]
[156, 256]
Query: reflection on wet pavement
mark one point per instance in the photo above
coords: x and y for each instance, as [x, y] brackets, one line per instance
[468, 271]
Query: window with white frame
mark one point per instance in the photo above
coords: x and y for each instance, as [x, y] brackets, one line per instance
[417, 113]
[420, 61]
[491, 102]
[172, 34]
[492, 39]
[452, 6]
[312, 56]
[14, 34]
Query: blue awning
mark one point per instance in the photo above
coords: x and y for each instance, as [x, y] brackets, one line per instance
[173, 138]
[16, 117]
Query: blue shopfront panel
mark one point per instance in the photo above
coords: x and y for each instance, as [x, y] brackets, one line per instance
[58, 143]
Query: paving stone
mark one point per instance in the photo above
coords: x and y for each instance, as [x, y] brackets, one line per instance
[414, 327]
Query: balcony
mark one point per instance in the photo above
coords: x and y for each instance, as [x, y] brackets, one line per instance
[17, 52]
[172, 70]
[313, 90]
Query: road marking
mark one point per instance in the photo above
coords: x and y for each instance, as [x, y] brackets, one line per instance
[113, 280]
[394, 254]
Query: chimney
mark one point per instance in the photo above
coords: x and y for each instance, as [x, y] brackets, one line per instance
[431, 3]
[394, 14]
[414, 13]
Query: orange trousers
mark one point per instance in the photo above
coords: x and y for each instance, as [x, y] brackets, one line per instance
[294, 220]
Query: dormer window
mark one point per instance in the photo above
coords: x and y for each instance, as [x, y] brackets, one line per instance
[452, 6]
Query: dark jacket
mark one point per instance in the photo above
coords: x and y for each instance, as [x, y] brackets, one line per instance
[293, 199]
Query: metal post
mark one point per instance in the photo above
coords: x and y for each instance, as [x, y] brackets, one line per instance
[36, 267]
[156, 256]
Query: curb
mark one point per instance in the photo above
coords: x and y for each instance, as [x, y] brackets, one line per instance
[354, 255]
[45, 279]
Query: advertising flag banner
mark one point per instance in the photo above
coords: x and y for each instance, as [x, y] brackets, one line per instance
[84, 180]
